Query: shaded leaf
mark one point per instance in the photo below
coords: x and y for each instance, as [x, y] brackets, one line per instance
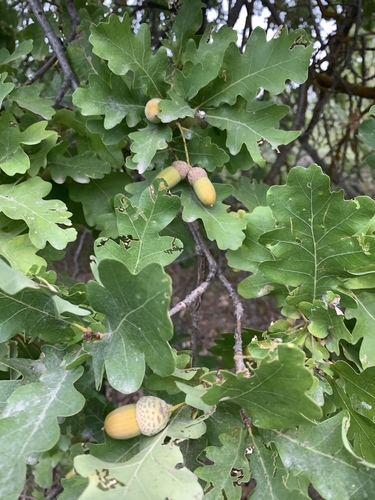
[225, 228]
[364, 326]
[270, 480]
[275, 395]
[203, 63]
[137, 324]
[125, 51]
[186, 23]
[249, 124]
[229, 468]
[146, 142]
[29, 98]
[252, 253]
[97, 196]
[5, 87]
[264, 64]
[359, 387]
[361, 431]
[139, 227]
[318, 454]
[204, 153]
[80, 167]
[113, 100]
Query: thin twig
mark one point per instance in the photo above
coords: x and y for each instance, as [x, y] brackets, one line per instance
[46, 66]
[212, 268]
[70, 78]
[238, 312]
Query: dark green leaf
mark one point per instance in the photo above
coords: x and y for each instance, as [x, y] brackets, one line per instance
[137, 320]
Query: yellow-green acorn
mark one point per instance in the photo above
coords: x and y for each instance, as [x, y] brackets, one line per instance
[152, 110]
[147, 416]
[174, 173]
[202, 186]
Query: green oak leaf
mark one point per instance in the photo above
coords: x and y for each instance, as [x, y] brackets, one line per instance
[13, 159]
[127, 52]
[249, 124]
[137, 322]
[186, 23]
[317, 453]
[364, 326]
[24, 201]
[174, 108]
[264, 64]
[88, 140]
[275, 394]
[257, 285]
[21, 50]
[326, 323]
[36, 313]
[223, 227]
[5, 87]
[203, 153]
[146, 142]
[361, 430]
[270, 479]
[29, 98]
[80, 167]
[19, 251]
[202, 64]
[321, 237]
[158, 466]
[139, 227]
[229, 466]
[12, 281]
[251, 193]
[359, 387]
[97, 196]
[251, 253]
[28, 423]
[114, 100]
[366, 132]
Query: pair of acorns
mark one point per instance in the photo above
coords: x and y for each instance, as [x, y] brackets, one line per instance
[196, 176]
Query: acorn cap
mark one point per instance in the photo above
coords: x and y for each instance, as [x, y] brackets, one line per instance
[151, 414]
[196, 173]
[182, 168]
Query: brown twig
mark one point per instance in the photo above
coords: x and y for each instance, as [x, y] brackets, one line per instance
[238, 312]
[70, 79]
[212, 269]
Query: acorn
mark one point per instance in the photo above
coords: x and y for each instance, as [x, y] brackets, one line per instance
[147, 416]
[174, 173]
[152, 110]
[202, 186]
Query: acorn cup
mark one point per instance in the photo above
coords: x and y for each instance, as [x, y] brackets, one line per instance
[202, 186]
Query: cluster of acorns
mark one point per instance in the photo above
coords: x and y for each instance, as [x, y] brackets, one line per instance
[180, 170]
